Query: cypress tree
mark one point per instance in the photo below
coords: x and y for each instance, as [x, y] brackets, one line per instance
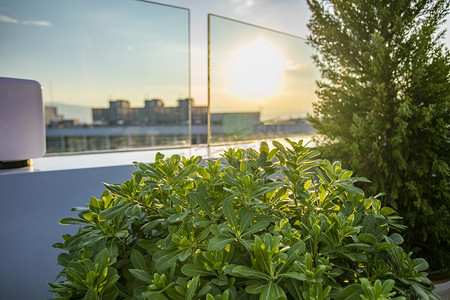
[383, 107]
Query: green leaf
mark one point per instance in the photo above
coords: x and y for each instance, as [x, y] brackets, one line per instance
[256, 288]
[121, 234]
[368, 224]
[111, 293]
[396, 238]
[350, 188]
[272, 291]
[166, 259]
[141, 275]
[184, 254]
[138, 260]
[159, 156]
[115, 189]
[421, 264]
[192, 288]
[102, 260]
[178, 217]
[230, 213]
[111, 212]
[200, 221]
[203, 291]
[355, 256]
[245, 272]
[64, 259]
[203, 235]
[351, 292]
[367, 238]
[323, 295]
[73, 221]
[360, 246]
[387, 286]
[294, 289]
[148, 227]
[89, 240]
[221, 230]
[246, 217]
[386, 211]
[221, 281]
[90, 295]
[279, 146]
[199, 196]
[111, 278]
[420, 291]
[258, 226]
[294, 275]
[154, 296]
[218, 243]
[192, 270]
[262, 253]
[243, 166]
[384, 246]
[293, 254]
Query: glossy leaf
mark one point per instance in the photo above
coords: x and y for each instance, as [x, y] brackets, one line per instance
[272, 291]
[141, 275]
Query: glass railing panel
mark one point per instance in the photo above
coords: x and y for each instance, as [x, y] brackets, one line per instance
[261, 83]
[115, 73]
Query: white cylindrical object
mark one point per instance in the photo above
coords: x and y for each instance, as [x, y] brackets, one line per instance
[22, 125]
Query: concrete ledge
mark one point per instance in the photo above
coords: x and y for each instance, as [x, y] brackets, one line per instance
[443, 290]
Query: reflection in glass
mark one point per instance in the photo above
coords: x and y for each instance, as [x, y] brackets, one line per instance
[95, 143]
[100, 64]
[74, 144]
[261, 84]
[54, 144]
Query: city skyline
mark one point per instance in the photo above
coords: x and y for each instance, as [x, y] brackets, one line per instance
[88, 52]
[83, 113]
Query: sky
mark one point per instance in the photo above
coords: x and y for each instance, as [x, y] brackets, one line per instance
[265, 71]
[87, 52]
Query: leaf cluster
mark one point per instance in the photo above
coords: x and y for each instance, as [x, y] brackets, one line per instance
[277, 223]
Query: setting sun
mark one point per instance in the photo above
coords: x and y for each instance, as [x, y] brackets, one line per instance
[256, 70]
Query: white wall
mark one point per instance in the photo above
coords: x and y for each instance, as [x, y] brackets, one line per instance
[32, 203]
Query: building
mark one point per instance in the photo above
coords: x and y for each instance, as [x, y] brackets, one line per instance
[154, 112]
[121, 126]
[53, 120]
[51, 115]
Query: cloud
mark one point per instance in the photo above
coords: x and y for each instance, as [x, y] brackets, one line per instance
[6, 19]
[37, 23]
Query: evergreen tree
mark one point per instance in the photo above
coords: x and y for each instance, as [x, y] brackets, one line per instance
[384, 107]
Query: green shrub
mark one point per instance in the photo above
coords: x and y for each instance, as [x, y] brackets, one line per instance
[273, 224]
[383, 108]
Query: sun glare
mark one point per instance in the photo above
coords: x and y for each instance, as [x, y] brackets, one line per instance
[256, 70]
